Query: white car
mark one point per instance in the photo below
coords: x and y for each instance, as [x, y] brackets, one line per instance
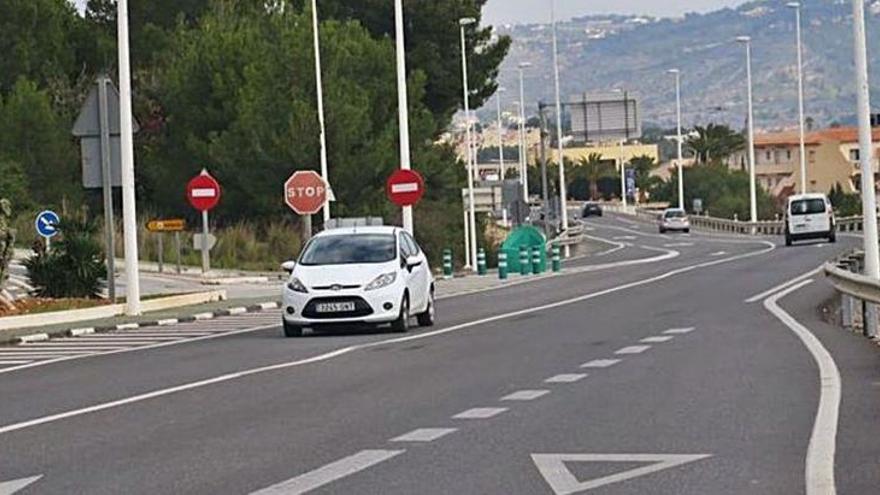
[809, 216]
[358, 276]
[674, 219]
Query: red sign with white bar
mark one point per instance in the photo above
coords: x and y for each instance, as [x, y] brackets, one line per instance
[203, 192]
[305, 192]
[405, 187]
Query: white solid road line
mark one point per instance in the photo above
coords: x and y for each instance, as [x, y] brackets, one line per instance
[820, 452]
[768, 292]
[5, 363]
[679, 331]
[523, 395]
[330, 473]
[13, 486]
[480, 413]
[344, 350]
[656, 340]
[600, 363]
[424, 435]
[566, 378]
[633, 349]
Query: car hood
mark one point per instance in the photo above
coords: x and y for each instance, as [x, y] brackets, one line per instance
[345, 275]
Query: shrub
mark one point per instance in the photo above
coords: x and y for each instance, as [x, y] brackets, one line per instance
[75, 265]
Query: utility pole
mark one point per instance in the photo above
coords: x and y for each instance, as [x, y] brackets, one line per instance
[402, 104]
[562, 187]
[320, 93]
[129, 205]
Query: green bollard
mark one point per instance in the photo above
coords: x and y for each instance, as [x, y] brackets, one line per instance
[524, 267]
[536, 260]
[557, 259]
[447, 263]
[502, 265]
[481, 262]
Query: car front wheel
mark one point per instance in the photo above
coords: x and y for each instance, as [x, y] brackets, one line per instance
[401, 324]
[427, 318]
[291, 330]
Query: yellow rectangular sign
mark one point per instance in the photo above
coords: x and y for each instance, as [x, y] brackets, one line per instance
[169, 225]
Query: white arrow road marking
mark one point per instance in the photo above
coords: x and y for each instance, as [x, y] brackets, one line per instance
[10, 487]
[330, 473]
[562, 482]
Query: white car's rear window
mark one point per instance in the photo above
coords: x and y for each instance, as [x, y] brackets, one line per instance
[807, 206]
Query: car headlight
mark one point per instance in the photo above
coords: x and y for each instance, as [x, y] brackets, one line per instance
[381, 281]
[297, 286]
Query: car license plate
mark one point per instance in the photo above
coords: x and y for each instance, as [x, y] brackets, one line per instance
[339, 307]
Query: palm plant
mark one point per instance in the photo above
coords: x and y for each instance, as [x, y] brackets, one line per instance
[595, 169]
[714, 142]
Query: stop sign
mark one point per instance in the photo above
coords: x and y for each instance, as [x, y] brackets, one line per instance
[405, 187]
[203, 192]
[305, 192]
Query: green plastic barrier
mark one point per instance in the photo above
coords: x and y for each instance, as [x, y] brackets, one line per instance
[528, 237]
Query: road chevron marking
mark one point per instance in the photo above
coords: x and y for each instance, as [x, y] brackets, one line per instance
[347, 350]
[552, 467]
[10, 487]
[330, 473]
[819, 472]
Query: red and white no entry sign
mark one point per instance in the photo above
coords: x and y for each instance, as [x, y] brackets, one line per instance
[203, 192]
[305, 192]
[405, 187]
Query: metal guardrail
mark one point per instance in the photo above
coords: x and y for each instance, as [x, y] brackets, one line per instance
[860, 295]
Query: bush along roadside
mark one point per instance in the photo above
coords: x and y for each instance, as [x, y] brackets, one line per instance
[74, 267]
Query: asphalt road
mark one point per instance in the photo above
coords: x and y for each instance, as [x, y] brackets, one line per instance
[642, 370]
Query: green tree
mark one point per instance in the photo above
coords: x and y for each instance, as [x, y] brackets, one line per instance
[593, 168]
[643, 165]
[433, 46]
[714, 142]
[724, 192]
[75, 266]
[37, 139]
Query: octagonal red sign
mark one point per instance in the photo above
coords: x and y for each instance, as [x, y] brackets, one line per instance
[305, 192]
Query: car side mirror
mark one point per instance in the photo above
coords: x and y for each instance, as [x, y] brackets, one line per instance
[288, 266]
[412, 262]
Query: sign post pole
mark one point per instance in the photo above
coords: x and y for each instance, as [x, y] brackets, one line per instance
[161, 252]
[307, 227]
[177, 248]
[107, 186]
[206, 251]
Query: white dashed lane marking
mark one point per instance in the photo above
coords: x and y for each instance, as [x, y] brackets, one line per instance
[656, 340]
[679, 331]
[480, 413]
[566, 378]
[600, 363]
[424, 435]
[526, 395]
[633, 349]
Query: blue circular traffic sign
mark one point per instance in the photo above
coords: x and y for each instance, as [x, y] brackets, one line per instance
[47, 223]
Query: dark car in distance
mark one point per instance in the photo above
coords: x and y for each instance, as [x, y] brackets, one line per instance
[591, 210]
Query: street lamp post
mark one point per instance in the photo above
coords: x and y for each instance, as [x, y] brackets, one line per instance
[320, 92]
[866, 146]
[402, 104]
[800, 68]
[129, 211]
[523, 162]
[623, 199]
[678, 138]
[562, 189]
[472, 216]
[500, 133]
[753, 208]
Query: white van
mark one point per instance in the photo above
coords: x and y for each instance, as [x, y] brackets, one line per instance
[809, 216]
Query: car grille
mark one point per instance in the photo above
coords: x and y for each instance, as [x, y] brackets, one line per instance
[361, 308]
[336, 287]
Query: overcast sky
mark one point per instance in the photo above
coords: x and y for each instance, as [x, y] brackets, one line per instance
[513, 11]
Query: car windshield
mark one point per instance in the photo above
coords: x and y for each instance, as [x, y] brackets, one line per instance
[807, 206]
[349, 249]
[674, 214]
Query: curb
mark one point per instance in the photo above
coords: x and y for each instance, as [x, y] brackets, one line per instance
[76, 332]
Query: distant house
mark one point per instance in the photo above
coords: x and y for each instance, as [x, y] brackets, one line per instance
[832, 158]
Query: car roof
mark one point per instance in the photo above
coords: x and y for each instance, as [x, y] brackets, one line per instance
[796, 197]
[672, 209]
[378, 229]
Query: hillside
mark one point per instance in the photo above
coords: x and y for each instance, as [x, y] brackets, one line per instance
[605, 52]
